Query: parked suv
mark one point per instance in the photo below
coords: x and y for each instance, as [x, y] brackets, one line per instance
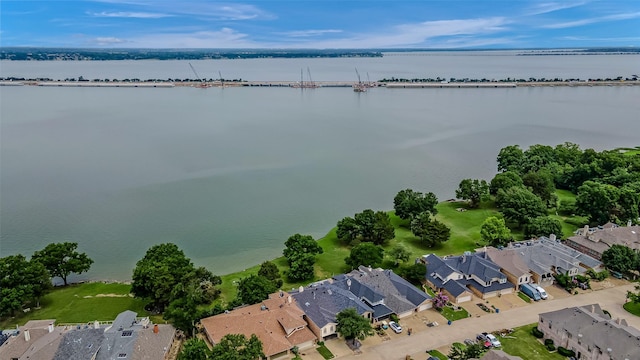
[488, 340]
[395, 327]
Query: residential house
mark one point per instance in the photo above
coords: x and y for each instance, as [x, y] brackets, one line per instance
[595, 241]
[278, 322]
[36, 340]
[443, 278]
[321, 302]
[127, 337]
[475, 272]
[511, 265]
[546, 258]
[386, 288]
[590, 333]
[494, 354]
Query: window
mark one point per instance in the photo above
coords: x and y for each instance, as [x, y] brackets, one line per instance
[122, 356]
[127, 333]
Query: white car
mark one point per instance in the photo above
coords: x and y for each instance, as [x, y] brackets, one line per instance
[395, 327]
[543, 294]
[493, 340]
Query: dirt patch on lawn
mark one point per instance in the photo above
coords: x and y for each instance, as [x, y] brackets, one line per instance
[108, 295]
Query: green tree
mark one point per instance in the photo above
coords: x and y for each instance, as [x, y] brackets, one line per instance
[597, 201]
[520, 205]
[347, 230]
[383, 230]
[541, 184]
[634, 297]
[538, 157]
[495, 232]
[399, 253]
[21, 282]
[542, 226]
[367, 254]
[413, 273]
[629, 203]
[473, 190]
[352, 326]
[195, 349]
[431, 232]
[270, 271]
[165, 274]
[300, 252]
[183, 313]
[473, 351]
[408, 204]
[504, 181]
[238, 347]
[510, 158]
[620, 258]
[62, 259]
[255, 288]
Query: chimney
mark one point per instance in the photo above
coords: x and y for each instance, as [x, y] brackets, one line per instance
[50, 327]
[156, 329]
[27, 336]
[618, 321]
[96, 325]
[628, 223]
[585, 232]
[289, 299]
[593, 308]
[301, 289]
[552, 237]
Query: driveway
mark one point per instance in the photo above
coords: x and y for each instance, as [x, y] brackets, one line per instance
[423, 339]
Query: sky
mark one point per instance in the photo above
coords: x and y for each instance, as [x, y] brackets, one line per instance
[320, 24]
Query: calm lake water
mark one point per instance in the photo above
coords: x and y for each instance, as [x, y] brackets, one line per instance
[229, 174]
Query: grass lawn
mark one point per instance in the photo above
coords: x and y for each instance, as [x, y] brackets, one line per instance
[325, 352]
[79, 303]
[524, 297]
[633, 308]
[438, 354]
[453, 315]
[522, 343]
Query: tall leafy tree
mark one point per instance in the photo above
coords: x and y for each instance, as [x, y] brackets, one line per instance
[367, 254]
[270, 271]
[431, 232]
[597, 201]
[538, 157]
[520, 205]
[238, 347]
[352, 326]
[62, 259]
[399, 253]
[383, 230]
[195, 349]
[504, 181]
[366, 226]
[473, 190]
[510, 158]
[495, 232]
[542, 226]
[347, 230]
[408, 204]
[21, 282]
[300, 252]
[541, 184]
[413, 273]
[620, 258]
[255, 288]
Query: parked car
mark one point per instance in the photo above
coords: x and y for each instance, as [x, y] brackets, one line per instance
[530, 291]
[469, 342]
[543, 294]
[493, 340]
[482, 339]
[395, 327]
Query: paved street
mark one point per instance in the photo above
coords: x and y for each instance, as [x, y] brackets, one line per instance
[401, 345]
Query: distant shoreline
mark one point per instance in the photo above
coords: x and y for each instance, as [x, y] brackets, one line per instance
[319, 84]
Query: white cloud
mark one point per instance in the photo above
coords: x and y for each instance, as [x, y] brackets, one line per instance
[223, 38]
[129, 14]
[106, 41]
[310, 33]
[582, 22]
[544, 8]
[417, 34]
[609, 39]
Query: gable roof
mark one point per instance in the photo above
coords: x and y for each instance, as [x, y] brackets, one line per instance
[484, 269]
[322, 301]
[41, 345]
[602, 239]
[597, 330]
[494, 354]
[399, 295]
[278, 323]
[508, 260]
[80, 344]
[546, 256]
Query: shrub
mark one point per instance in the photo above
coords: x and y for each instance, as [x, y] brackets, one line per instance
[537, 333]
[565, 352]
[548, 341]
[551, 347]
[394, 317]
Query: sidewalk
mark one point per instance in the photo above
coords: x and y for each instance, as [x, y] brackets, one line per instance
[610, 299]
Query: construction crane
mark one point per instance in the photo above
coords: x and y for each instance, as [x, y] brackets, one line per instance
[221, 79]
[195, 73]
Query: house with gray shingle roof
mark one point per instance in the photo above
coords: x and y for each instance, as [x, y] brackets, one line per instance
[595, 241]
[590, 333]
[443, 278]
[475, 272]
[322, 301]
[399, 295]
